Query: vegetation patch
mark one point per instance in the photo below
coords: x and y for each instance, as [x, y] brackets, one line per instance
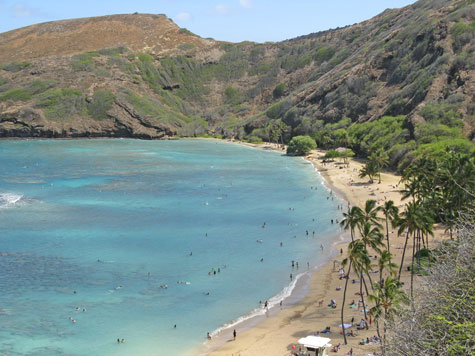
[186, 46]
[101, 103]
[84, 61]
[145, 57]
[301, 145]
[16, 66]
[27, 92]
[62, 104]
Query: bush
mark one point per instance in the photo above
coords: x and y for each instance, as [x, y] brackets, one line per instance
[301, 145]
[279, 90]
[101, 104]
[113, 51]
[185, 31]
[145, 57]
[324, 54]
[83, 61]
[186, 46]
[62, 104]
[17, 94]
[15, 66]
[232, 96]
[27, 92]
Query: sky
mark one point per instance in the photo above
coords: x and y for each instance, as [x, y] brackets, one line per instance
[225, 20]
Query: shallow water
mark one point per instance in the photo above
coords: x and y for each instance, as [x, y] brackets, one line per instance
[105, 225]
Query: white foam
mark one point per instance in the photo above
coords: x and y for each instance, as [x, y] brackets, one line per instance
[8, 200]
[272, 302]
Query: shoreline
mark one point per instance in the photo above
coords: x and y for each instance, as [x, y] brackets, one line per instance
[278, 332]
[302, 283]
[252, 320]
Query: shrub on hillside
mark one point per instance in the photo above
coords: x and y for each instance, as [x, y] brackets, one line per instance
[62, 104]
[15, 66]
[279, 90]
[101, 103]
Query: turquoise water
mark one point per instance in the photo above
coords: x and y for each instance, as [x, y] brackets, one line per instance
[108, 225]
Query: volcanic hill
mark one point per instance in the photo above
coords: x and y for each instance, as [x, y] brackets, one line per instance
[402, 81]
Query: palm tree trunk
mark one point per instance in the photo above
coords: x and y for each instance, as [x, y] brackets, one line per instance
[412, 267]
[362, 299]
[387, 233]
[343, 303]
[403, 254]
[383, 343]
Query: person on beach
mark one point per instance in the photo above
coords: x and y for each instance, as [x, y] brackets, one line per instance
[234, 334]
[208, 336]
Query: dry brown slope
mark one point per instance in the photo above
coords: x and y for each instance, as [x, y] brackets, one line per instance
[155, 34]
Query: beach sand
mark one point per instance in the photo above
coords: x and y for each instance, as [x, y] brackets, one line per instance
[275, 335]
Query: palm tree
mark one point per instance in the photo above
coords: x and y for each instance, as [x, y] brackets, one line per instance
[414, 219]
[385, 263]
[356, 253]
[370, 213]
[388, 299]
[372, 237]
[391, 214]
[380, 159]
[370, 170]
[352, 219]
[409, 222]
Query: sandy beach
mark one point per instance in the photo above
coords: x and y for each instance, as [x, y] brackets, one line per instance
[275, 335]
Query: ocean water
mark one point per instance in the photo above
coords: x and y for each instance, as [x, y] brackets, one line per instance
[108, 226]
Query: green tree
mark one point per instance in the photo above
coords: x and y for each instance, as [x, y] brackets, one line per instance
[385, 263]
[388, 299]
[279, 90]
[391, 214]
[370, 170]
[301, 145]
[352, 219]
[380, 159]
[331, 154]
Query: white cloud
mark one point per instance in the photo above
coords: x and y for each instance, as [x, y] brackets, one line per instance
[245, 3]
[21, 10]
[183, 16]
[222, 9]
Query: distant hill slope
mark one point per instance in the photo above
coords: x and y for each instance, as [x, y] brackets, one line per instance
[403, 81]
[154, 34]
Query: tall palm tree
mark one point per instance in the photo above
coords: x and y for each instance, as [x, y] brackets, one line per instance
[370, 170]
[388, 298]
[352, 219]
[409, 221]
[371, 237]
[414, 219]
[357, 257]
[391, 214]
[370, 213]
[385, 263]
[380, 159]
